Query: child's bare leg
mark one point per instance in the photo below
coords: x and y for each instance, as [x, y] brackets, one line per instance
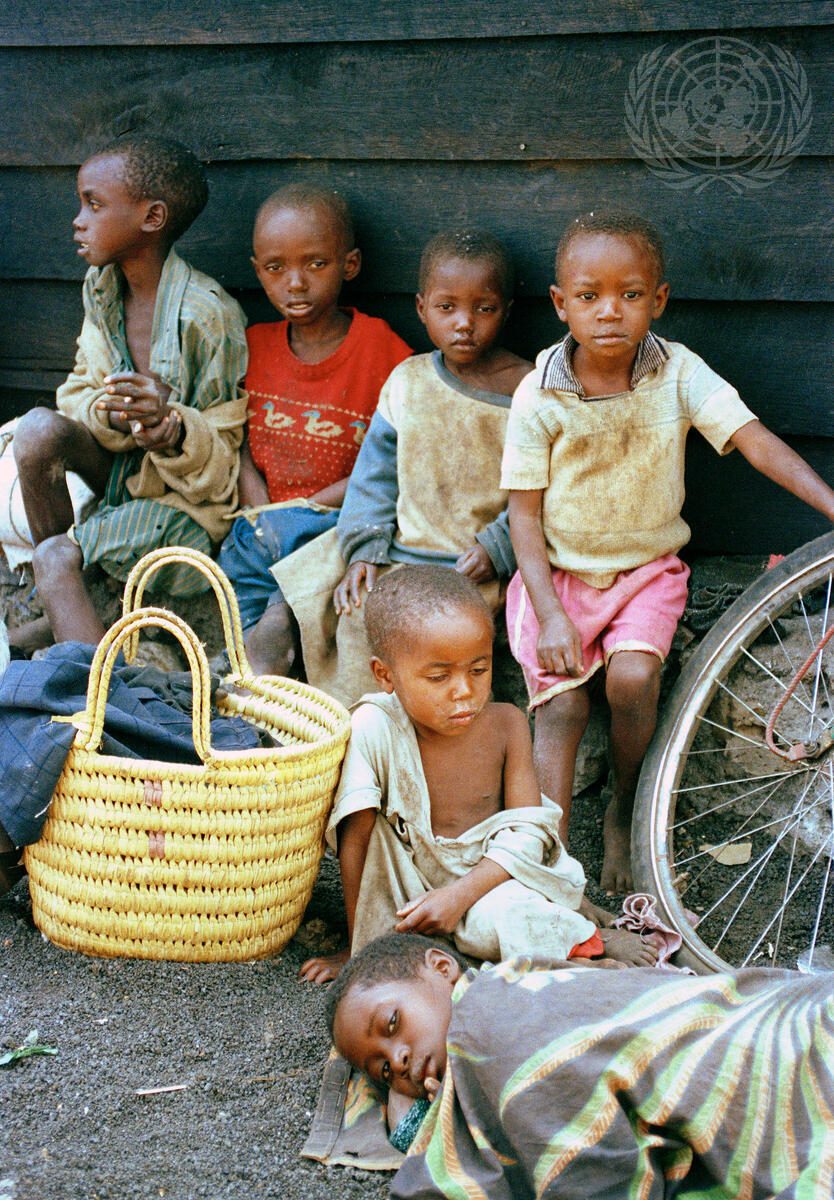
[57, 563]
[32, 635]
[558, 729]
[273, 645]
[632, 687]
[325, 967]
[47, 445]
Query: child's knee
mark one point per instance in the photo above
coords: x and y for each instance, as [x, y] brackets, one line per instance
[53, 560]
[566, 712]
[633, 680]
[38, 437]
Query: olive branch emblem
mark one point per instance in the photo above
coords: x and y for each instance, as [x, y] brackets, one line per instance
[679, 166]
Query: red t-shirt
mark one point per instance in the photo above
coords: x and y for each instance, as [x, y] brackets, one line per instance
[307, 420]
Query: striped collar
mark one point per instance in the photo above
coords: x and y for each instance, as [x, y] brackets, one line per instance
[558, 376]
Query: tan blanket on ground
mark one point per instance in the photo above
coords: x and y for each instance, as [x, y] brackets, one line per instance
[335, 649]
[532, 913]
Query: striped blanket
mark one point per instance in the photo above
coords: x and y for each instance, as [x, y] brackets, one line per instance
[629, 1085]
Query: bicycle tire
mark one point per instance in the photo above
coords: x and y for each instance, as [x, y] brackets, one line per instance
[754, 619]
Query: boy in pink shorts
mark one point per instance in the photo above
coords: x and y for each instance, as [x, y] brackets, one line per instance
[594, 464]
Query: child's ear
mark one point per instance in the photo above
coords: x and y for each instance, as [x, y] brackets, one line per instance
[438, 960]
[421, 307]
[558, 298]
[382, 674]
[156, 217]
[353, 264]
[661, 297]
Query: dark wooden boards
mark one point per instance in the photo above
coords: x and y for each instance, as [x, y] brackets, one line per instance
[732, 509]
[772, 244]
[149, 22]
[518, 100]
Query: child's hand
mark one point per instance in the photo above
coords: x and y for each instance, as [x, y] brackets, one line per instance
[164, 436]
[476, 564]
[438, 911]
[135, 398]
[559, 647]
[350, 587]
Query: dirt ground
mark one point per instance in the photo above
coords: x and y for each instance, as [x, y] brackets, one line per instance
[244, 1044]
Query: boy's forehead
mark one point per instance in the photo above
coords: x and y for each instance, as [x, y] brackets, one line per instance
[591, 251]
[449, 271]
[287, 221]
[108, 169]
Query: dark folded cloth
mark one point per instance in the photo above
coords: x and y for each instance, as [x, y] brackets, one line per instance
[148, 715]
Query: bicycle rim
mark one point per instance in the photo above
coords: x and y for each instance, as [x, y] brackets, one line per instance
[734, 840]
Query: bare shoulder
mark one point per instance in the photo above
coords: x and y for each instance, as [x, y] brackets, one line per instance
[507, 720]
[506, 371]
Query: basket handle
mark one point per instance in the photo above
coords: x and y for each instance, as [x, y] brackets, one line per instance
[149, 564]
[90, 723]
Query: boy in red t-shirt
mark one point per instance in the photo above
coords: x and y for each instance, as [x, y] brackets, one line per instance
[314, 381]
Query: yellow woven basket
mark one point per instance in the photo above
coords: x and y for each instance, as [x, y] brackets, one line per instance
[199, 863]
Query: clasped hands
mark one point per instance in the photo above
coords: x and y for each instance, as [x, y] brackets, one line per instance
[138, 404]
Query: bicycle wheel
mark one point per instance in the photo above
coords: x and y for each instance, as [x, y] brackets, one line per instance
[735, 838]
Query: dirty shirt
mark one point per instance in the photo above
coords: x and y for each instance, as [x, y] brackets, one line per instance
[612, 467]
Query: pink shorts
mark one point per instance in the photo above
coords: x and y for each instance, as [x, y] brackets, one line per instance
[640, 611]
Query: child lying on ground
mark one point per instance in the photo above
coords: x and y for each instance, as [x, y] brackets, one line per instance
[553, 1084]
[594, 463]
[440, 824]
[425, 487]
[313, 381]
[152, 415]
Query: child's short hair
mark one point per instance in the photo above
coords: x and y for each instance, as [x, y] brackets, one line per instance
[404, 598]
[306, 196]
[392, 956]
[473, 245]
[617, 224]
[158, 168]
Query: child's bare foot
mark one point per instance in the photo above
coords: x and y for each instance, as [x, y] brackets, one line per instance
[322, 970]
[615, 878]
[601, 917]
[628, 948]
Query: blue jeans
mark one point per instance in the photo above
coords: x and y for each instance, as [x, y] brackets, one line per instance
[250, 550]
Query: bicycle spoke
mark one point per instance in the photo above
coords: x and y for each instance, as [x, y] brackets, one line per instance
[813, 640]
[776, 680]
[797, 814]
[716, 808]
[782, 908]
[818, 673]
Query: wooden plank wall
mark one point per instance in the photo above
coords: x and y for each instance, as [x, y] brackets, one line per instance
[507, 115]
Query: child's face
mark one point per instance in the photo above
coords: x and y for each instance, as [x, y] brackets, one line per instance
[395, 1032]
[608, 294]
[301, 262]
[462, 309]
[442, 672]
[110, 224]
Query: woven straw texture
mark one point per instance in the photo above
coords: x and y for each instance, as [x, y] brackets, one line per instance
[207, 862]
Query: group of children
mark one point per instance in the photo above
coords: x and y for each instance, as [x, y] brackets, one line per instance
[375, 510]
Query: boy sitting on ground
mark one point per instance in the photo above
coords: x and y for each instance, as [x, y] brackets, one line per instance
[313, 381]
[595, 466]
[425, 487]
[152, 416]
[439, 822]
[554, 1083]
